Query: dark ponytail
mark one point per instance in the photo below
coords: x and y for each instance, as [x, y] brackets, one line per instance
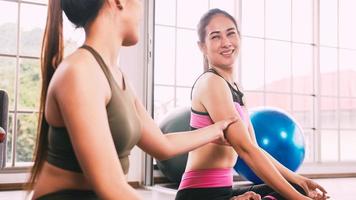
[203, 23]
[51, 56]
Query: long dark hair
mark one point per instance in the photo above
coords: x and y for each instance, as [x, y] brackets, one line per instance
[80, 13]
[203, 23]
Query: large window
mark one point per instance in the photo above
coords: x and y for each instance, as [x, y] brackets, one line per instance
[297, 55]
[21, 30]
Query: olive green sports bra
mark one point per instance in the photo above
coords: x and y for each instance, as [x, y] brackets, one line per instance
[123, 121]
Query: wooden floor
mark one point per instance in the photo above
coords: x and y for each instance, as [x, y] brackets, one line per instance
[338, 189]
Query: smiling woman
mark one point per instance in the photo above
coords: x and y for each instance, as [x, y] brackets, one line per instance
[215, 96]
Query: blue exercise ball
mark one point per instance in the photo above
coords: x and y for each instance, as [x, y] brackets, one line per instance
[279, 135]
[176, 121]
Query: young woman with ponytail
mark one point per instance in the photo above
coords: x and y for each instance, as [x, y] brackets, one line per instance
[89, 117]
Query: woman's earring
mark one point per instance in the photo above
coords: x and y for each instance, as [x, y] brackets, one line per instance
[118, 4]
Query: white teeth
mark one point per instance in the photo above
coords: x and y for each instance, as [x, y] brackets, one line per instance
[227, 52]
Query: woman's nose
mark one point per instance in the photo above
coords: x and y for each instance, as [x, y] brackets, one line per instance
[225, 42]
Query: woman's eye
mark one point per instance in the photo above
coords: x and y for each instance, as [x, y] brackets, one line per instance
[215, 37]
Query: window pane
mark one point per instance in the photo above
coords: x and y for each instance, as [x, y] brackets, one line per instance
[328, 113]
[32, 30]
[309, 146]
[30, 85]
[328, 22]
[302, 69]
[280, 101]
[278, 66]
[189, 12]
[347, 29]
[10, 133]
[8, 27]
[329, 146]
[253, 18]
[165, 11]
[7, 78]
[26, 137]
[302, 21]
[278, 19]
[252, 63]
[328, 70]
[347, 113]
[227, 5]
[303, 110]
[189, 58]
[39, 1]
[254, 99]
[347, 74]
[183, 97]
[73, 37]
[347, 145]
[164, 55]
[163, 101]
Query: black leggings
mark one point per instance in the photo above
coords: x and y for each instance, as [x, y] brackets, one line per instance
[70, 195]
[225, 193]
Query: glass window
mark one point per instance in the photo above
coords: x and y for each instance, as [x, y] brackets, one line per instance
[30, 85]
[253, 18]
[347, 73]
[328, 22]
[347, 146]
[347, 113]
[278, 66]
[309, 145]
[32, 30]
[164, 101]
[302, 21]
[38, 1]
[302, 68]
[8, 27]
[9, 136]
[303, 110]
[252, 63]
[8, 78]
[183, 97]
[165, 12]
[329, 146]
[328, 113]
[347, 27]
[227, 5]
[328, 70]
[278, 19]
[280, 101]
[254, 99]
[164, 55]
[26, 138]
[189, 12]
[189, 58]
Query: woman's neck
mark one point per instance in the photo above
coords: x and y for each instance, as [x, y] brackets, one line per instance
[227, 73]
[104, 39]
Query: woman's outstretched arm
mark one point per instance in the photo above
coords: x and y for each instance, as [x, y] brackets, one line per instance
[164, 146]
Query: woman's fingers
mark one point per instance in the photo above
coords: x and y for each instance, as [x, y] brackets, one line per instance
[247, 196]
